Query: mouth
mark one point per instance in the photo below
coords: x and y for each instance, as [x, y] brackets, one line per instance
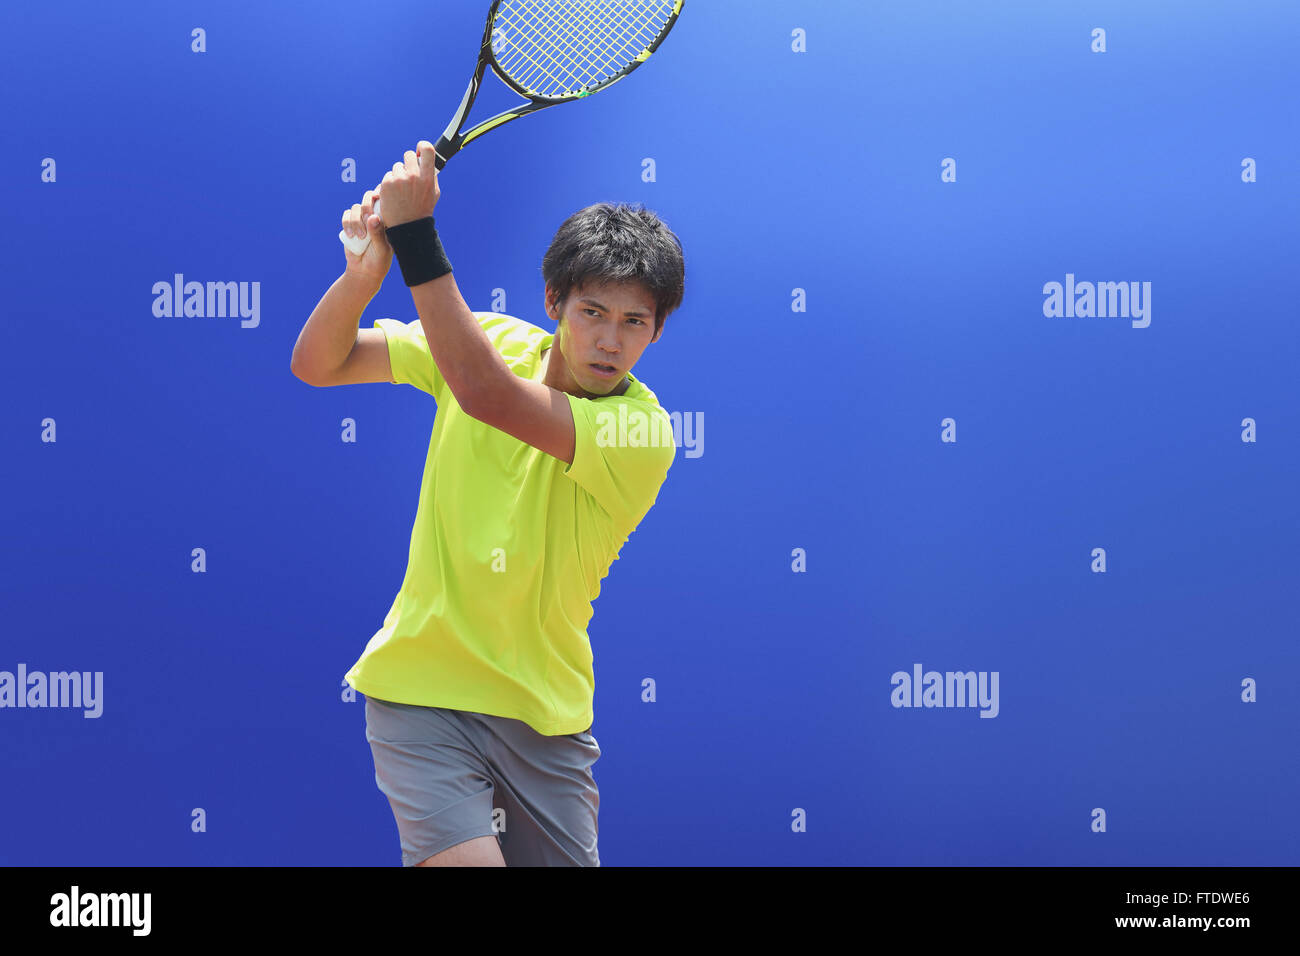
[604, 371]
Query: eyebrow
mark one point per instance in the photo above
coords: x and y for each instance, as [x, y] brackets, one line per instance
[635, 312]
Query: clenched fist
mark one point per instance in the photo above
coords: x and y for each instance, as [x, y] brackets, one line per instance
[409, 190]
[361, 220]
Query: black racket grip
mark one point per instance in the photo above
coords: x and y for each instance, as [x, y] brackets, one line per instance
[444, 149]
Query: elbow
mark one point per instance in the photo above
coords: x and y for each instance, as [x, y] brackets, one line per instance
[479, 400]
[471, 402]
[299, 370]
[300, 375]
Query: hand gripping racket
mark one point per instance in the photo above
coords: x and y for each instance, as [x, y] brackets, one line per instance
[553, 51]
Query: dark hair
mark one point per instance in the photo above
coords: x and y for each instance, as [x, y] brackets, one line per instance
[617, 243]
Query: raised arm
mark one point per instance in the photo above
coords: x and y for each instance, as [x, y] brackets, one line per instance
[330, 350]
[469, 363]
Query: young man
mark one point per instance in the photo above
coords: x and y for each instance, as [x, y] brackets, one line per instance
[546, 454]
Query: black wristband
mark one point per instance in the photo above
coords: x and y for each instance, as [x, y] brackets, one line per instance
[418, 250]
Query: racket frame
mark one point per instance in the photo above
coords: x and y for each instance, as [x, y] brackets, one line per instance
[453, 140]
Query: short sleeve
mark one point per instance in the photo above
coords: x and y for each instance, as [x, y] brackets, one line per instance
[621, 454]
[412, 362]
[410, 359]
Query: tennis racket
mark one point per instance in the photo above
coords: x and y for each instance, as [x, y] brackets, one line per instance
[549, 52]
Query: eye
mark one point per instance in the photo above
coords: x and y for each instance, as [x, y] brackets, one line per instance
[636, 320]
[591, 312]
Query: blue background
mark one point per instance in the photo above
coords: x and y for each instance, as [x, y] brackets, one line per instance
[779, 170]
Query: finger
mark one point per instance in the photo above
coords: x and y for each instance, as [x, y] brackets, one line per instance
[429, 165]
[351, 218]
[367, 202]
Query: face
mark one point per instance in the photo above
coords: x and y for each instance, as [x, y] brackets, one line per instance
[609, 324]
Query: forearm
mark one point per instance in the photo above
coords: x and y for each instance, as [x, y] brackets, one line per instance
[465, 357]
[326, 340]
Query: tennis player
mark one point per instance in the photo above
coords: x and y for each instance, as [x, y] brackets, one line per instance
[546, 454]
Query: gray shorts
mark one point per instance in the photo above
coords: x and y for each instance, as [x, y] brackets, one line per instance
[445, 772]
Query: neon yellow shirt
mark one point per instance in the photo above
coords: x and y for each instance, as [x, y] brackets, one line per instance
[510, 544]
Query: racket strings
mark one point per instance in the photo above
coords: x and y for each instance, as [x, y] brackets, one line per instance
[575, 44]
[574, 41]
[624, 32]
[554, 47]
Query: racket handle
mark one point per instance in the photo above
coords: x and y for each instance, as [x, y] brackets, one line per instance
[357, 244]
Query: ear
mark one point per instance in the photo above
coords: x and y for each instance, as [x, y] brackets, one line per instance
[658, 332]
